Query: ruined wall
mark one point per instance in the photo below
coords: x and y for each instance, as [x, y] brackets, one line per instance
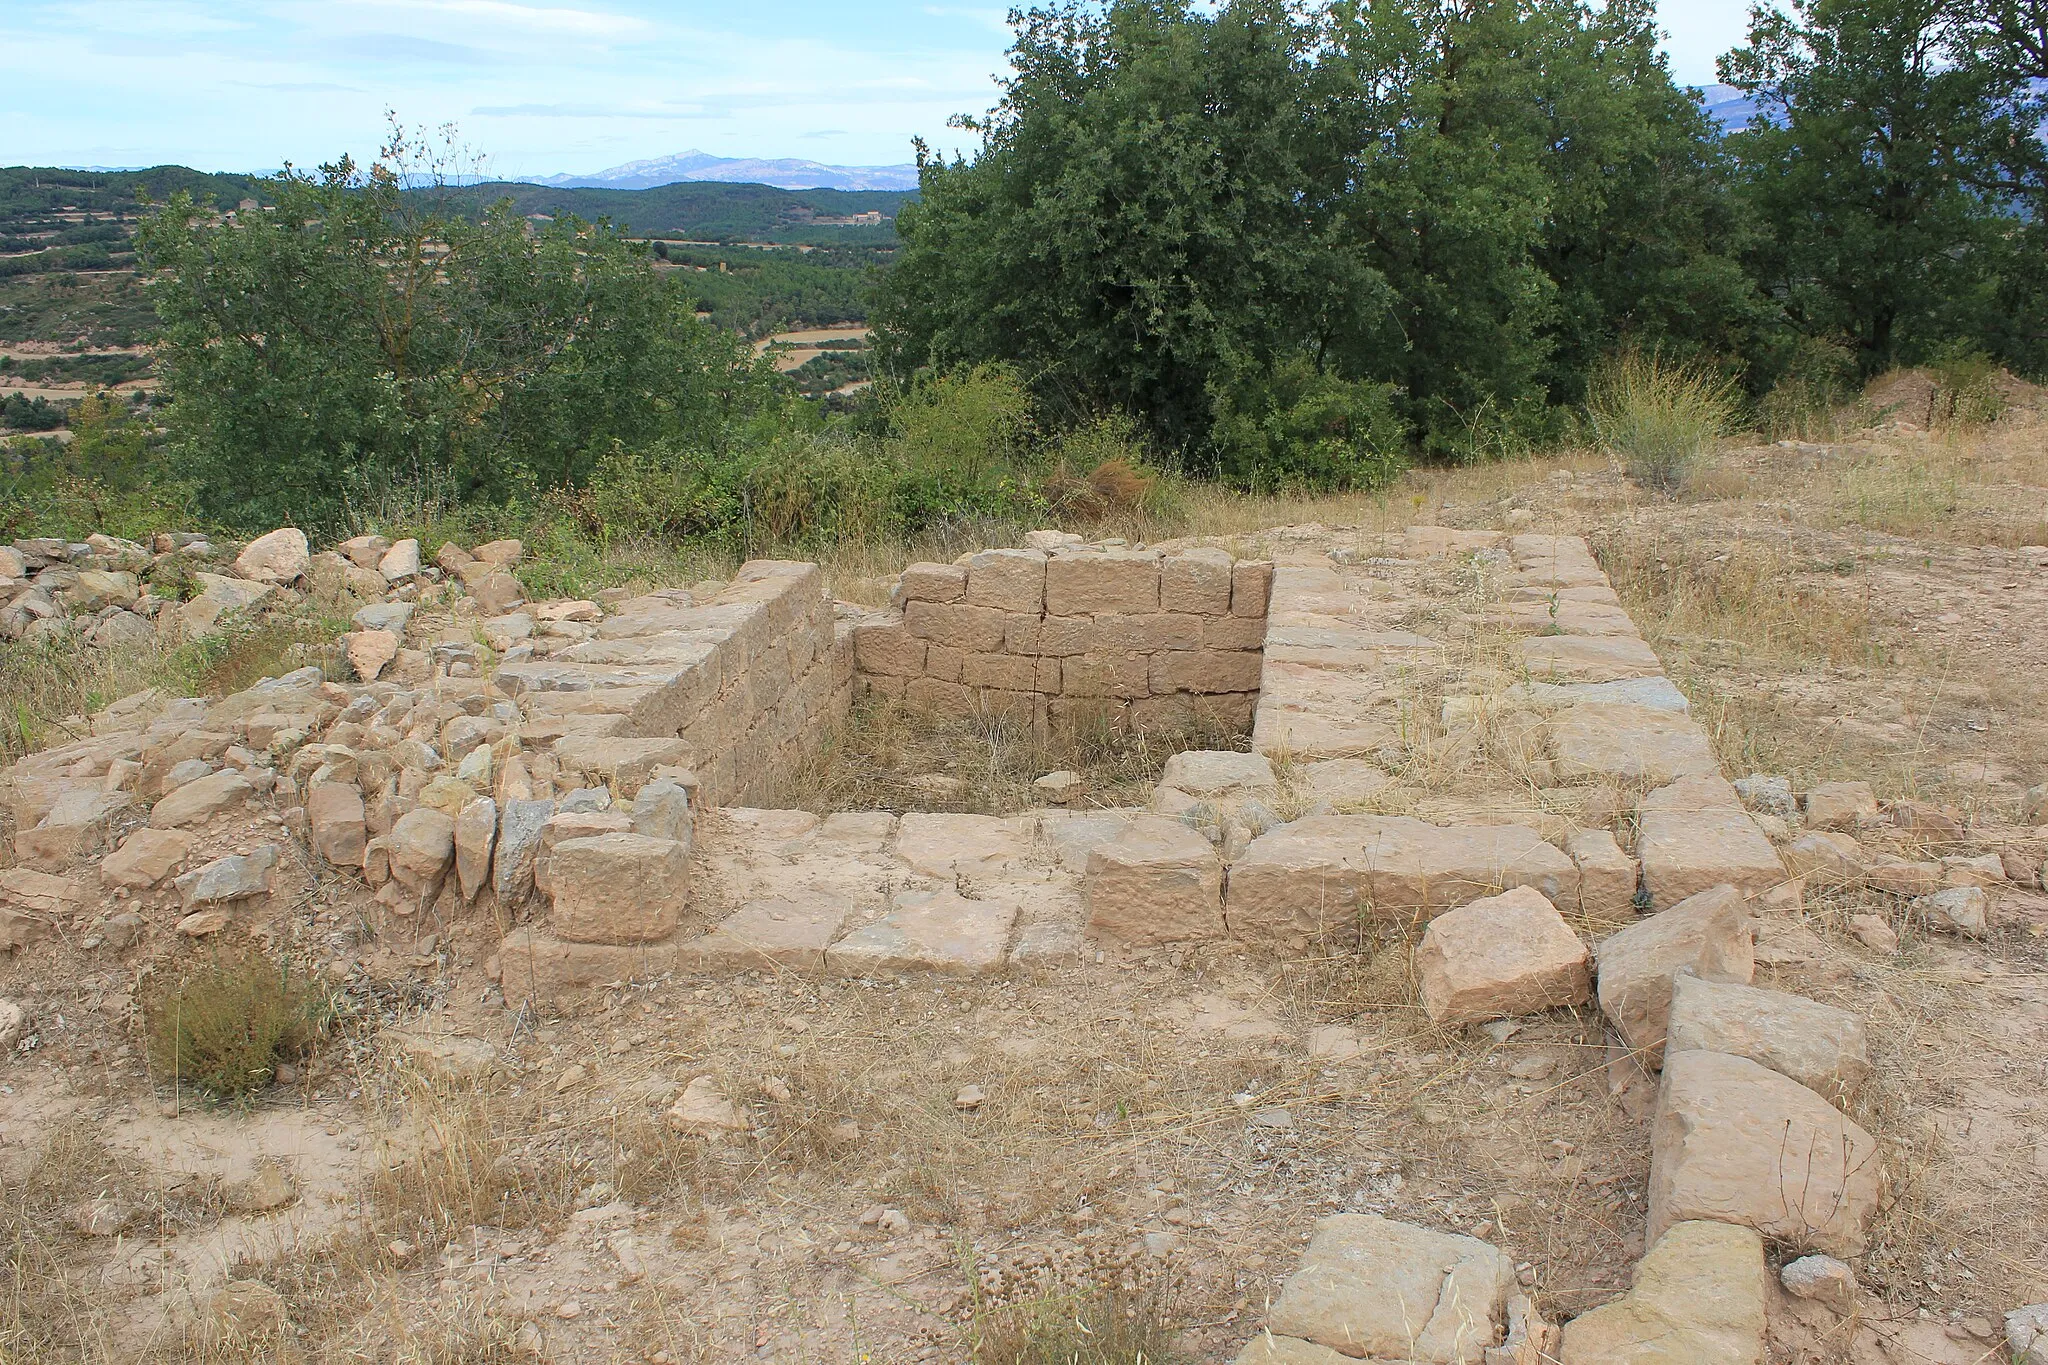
[1074, 632]
[736, 684]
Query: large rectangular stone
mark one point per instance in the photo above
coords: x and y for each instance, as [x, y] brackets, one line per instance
[1686, 852]
[933, 583]
[978, 630]
[1157, 881]
[1206, 670]
[535, 966]
[785, 934]
[1197, 580]
[1091, 582]
[617, 888]
[944, 934]
[1010, 580]
[1106, 675]
[620, 763]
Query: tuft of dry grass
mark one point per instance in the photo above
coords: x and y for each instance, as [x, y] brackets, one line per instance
[224, 1025]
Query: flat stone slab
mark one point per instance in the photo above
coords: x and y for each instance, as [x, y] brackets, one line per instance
[535, 965]
[945, 934]
[1698, 1299]
[1823, 1048]
[1685, 852]
[1372, 1287]
[1316, 877]
[947, 846]
[1622, 742]
[788, 934]
[1588, 658]
[1711, 935]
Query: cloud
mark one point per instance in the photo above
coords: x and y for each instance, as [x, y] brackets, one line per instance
[825, 132]
[578, 111]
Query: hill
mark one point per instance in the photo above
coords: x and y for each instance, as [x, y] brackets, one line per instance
[787, 173]
[713, 210]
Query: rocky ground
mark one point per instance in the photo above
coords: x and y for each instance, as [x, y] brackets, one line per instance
[776, 1165]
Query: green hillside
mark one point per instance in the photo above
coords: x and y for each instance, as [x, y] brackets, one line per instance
[711, 211]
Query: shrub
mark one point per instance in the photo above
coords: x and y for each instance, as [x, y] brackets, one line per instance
[1967, 392]
[1659, 417]
[1113, 1326]
[225, 1025]
[1297, 427]
[1818, 379]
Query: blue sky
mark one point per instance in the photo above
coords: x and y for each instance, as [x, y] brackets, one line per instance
[537, 85]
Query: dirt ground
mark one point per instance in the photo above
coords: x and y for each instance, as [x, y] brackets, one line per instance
[1163, 1126]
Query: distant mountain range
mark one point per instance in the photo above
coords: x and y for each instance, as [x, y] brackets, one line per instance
[786, 173]
[1728, 106]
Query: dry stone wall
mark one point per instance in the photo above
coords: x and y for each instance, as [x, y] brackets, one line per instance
[1061, 632]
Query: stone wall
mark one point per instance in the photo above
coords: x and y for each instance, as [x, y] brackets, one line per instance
[731, 686]
[1069, 632]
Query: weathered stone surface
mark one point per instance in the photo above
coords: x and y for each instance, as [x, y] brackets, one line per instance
[570, 822]
[1374, 1288]
[1698, 1300]
[1823, 1048]
[226, 880]
[369, 652]
[1822, 1279]
[40, 892]
[1011, 580]
[497, 593]
[1503, 955]
[618, 888]
[337, 822]
[1197, 580]
[621, 764]
[1619, 742]
[400, 562]
[1342, 781]
[945, 934]
[1896, 876]
[705, 1110]
[1961, 910]
[1840, 805]
[1158, 881]
[1826, 858]
[787, 934]
[144, 858]
[1219, 772]
[476, 835]
[933, 583]
[447, 794]
[422, 847]
[1317, 876]
[1607, 876]
[1735, 1142]
[1084, 582]
[519, 830]
[949, 846]
[1710, 934]
[77, 824]
[279, 557]
[1684, 852]
[445, 1058]
[535, 965]
[1588, 658]
[1268, 1349]
[197, 802]
[663, 809]
[2026, 1333]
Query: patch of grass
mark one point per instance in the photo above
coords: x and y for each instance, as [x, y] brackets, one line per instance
[225, 1025]
[1077, 1307]
[1660, 418]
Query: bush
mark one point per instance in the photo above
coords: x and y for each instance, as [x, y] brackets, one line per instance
[224, 1026]
[1819, 379]
[1296, 427]
[1967, 392]
[1659, 418]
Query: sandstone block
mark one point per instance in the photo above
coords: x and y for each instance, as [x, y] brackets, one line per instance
[1011, 580]
[422, 849]
[476, 834]
[535, 965]
[1197, 581]
[622, 764]
[618, 888]
[1961, 910]
[145, 858]
[1342, 781]
[337, 822]
[963, 626]
[1009, 672]
[1735, 1142]
[1686, 852]
[933, 583]
[1374, 1288]
[1158, 881]
[1588, 658]
[1698, 1299]
[1206, 670]
[197, 802]
[400, 562]
[1607, 876]
[1826, 858]
[1622, 742]
[1106, 675]
[78, 823]
[1092, 582]
[945, 934]
[1219, 772]
[937, 697]
[1233, 632]
[365, 552]
[279, 557]
[1823, 1279]
[226, 880]
[1897, 876]
[1709, 934]
[40, 892]
[503, 553]
[1251, 585]
[519, 832]
[1823, 1048]
[1498, 957]
[888, 648]
[369, 652]
[496, 593]
[951, 846]
[786, 934]
[1840, 805]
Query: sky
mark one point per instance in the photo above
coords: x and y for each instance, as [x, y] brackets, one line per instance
[536, 86]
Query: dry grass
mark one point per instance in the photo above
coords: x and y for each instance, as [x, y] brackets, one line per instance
[225, 1024]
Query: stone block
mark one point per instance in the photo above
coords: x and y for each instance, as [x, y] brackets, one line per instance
[1233, 632]
[422, 849]
[1097, 582]
[1341, 781]
[337, 823]
[279, 557]
[1588, 658]
[1268, 1349]
[520, 823]
[78, 823]
[1710, 934]
[533, 965]
[227, 880]
[617, 888]
[1106, 675]
[1826, 858]
[977, 630]
[1607, 876]
[476, 836]
[790, 935]
[944, 934]
[888, 648]
[146, 857]
[1624, 743]
[1011, 672]
[936, 697]
[1371, 1287]
[1685, 852]
[1206, 670]
[1251, 586]
[1823, 1048]
[622, 764]
[1735, 1142]
[1698, 1299]
[1157, 881]
[933, 583]
[1498, 957]
[1840, 805]
[1219, 772]
[1196, 580]
[197, 802]
[1896, 876]
[950, 846]
[1010, 580]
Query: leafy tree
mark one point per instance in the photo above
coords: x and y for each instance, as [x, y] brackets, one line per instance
[358, 335]
[1877, 162]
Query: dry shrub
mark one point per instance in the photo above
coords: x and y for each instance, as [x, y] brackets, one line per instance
[1660, 418]
[1116, 488]
[225, 1025]
[1076, 1306]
